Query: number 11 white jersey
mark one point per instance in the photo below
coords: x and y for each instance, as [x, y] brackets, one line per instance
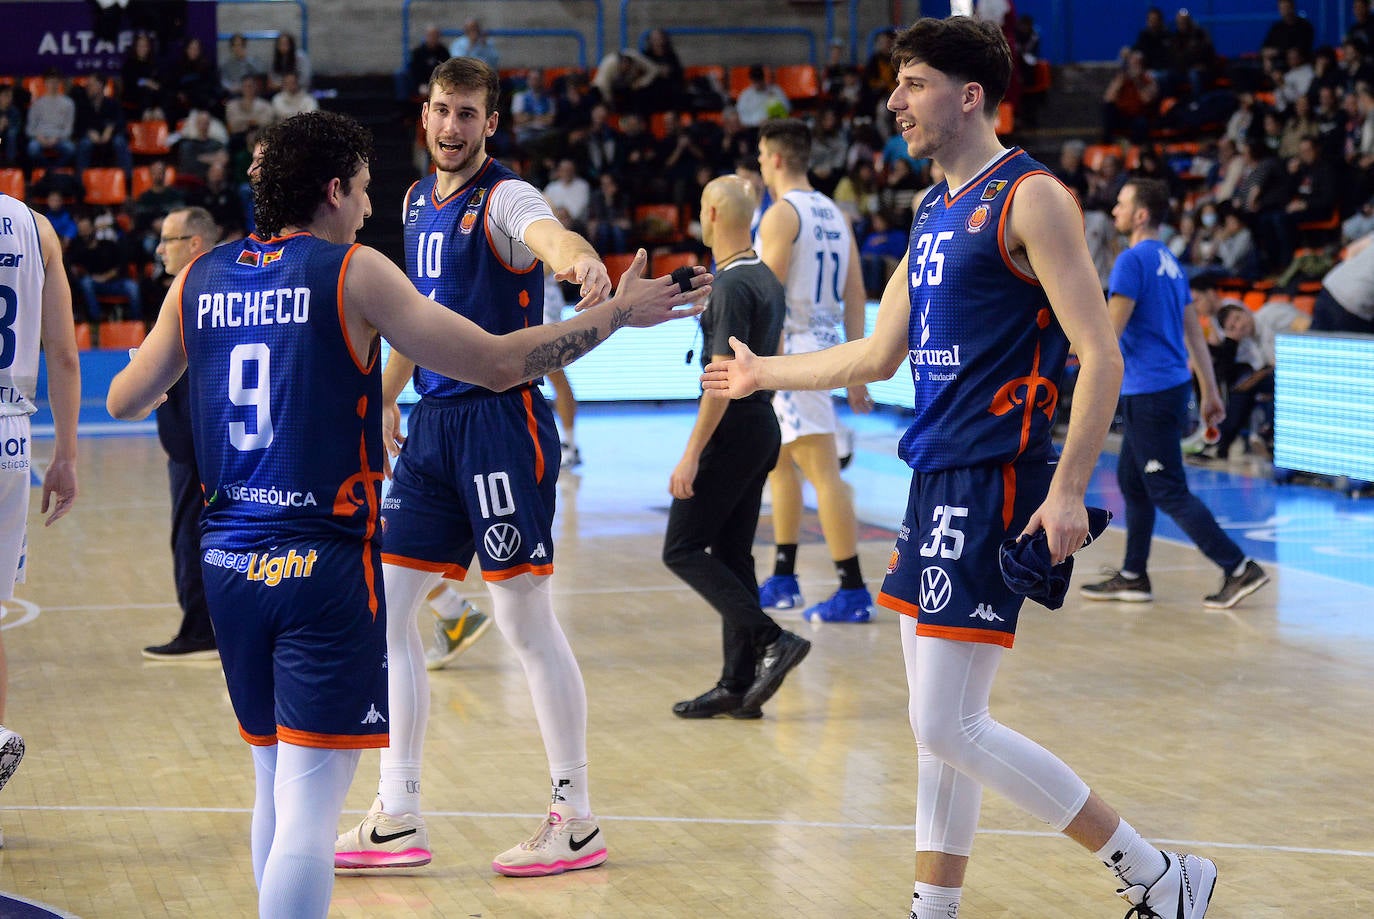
[21, 306]
[816, 273]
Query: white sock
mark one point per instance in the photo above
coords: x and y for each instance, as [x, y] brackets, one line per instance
[1129, 575]
[449, 605]
[407, 688]
[1131, 858]
[1240, 569]
[399, 788]
[570, 795]
[932, 902]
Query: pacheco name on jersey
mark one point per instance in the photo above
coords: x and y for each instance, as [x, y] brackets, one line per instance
[235, 309]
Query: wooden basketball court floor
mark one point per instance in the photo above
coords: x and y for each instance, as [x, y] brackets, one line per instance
[1242, 735]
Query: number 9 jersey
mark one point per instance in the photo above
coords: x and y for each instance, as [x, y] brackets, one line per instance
[287, 416]
[986, 351]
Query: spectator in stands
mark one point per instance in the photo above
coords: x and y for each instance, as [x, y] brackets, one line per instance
[63, 223]
[573, 116]
[1290, 31]
[1236, 248]
[1246, 120]
[1266, 195]
[832, 75]
[193, 81]
[1156, 45]
[667, 89]
[1105, 183]
[736, 140]
[882, 247]
[852, 97]
[141, 77]
[1296, 80]
[681, 156]
[1301, 123]
[1355, 66]
[291, 99]
[51, 124]
[760, 100]
[1361, 29]
[570, 192]
[246, 113]
[1330, 122]
[202, 140]
[857, 195]
[1360, 223]
[1313, 184]
[99, 267]
[829, 151]
[159, 198]
[609, 216]
[288, 58]
[641, 157]
[11, 126]
[900, 184]
[1346, 301]
[1194, 58]
[1071, 169]
[879, 77]
[1129, 103]
[1224, 177]
[1254, 334]
[1153, 165]
[424, 57]
[533, 110]
[238, 66]
[474, 42]
[100, 127]
[220, 197]
[1326, 71]
[603, 151]
[624, 79]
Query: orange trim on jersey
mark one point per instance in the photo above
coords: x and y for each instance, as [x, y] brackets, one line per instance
[333, 741]
[486, 228]
[343, 321]
[1009, 483]
[258, 740]
[527, 397]
[277, 239]
[405, 202]
[897, 605]
[505, 574]
[181, 300]
[1002, 229]
[977, 636]
[949, 202]
[439, 205]
[457, 572]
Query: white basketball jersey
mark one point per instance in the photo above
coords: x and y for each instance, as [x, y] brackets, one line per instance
[21, 306]
[817, 271]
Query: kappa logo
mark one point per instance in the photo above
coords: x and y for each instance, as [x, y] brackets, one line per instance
[985, 612]
[418, 202]
[936, 589]
[373, 716]
[502, 541]
[978, 219]
[1168, 268]
[1152, 466]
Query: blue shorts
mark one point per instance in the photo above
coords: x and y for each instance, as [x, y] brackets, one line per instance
[944, 568]
[301, 629]
[478, 474]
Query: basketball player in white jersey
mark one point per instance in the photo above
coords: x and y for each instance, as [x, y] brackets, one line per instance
[35, 305]
[805, 238]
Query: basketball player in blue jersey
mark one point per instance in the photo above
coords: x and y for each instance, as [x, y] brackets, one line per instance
[279, 337]
[996, 282]
[477, 476]
[35, 307]
[1162, 340]
[807, 241]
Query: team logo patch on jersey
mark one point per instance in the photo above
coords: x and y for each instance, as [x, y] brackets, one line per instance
[893, 561]
[270, 257]
[468, 222]
[478, 197]
[993, 189]
[978, 219]
[936, 589]
[250, 258]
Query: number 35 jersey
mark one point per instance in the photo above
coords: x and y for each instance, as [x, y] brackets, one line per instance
[287, 417]
[986, 351]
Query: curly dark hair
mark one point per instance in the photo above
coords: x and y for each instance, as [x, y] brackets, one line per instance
[969, 50]
[299, 158]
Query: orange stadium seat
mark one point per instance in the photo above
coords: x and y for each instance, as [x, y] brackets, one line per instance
[104, 185]
[710, 71]
[1093, 154]
[798, 81]
[83, 336]
[668, 261]
[12, 183]
[658, 223]
[148, 138]
[739, 78]
[143, 179]
[1006, 117]
[121, 333]
[616, 265]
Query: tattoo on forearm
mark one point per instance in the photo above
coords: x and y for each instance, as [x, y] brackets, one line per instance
[560, 352]
[619, 318]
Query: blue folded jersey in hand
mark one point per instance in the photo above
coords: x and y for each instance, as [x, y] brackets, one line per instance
[1026, 568]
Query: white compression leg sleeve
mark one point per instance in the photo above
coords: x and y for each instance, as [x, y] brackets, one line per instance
[264, 809]
[961, 747]
[298, 877]
[523, 609]
[407, 688]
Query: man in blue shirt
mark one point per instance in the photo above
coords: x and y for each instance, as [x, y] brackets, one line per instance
[1151, 308]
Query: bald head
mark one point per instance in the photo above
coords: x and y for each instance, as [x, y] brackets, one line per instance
[727, 207]
[186, 232]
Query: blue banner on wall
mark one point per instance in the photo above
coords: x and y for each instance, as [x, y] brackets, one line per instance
[65, 35]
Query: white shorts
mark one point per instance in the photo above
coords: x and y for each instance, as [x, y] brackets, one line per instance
[803, 413]
[15, 450]
[553, 298]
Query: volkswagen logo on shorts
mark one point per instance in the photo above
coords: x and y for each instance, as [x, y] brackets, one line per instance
[935, 589]
[502, 541]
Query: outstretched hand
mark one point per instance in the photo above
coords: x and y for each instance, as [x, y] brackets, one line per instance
[643, 302]
[732, 379]
[593, 283]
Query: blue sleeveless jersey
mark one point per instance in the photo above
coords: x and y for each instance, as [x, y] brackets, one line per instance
[450, 258]
[986, 351]
[287, 418]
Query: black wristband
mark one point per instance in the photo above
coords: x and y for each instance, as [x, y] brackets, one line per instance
[683, 276]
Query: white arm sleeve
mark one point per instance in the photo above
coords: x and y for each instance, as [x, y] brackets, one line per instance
[514, 206]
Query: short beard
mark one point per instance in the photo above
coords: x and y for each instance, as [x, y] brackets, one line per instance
[463, 165]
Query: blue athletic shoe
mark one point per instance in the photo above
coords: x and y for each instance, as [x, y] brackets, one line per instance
[781, 591]
[845, 606]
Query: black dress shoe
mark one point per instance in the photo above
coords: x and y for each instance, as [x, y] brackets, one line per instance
[716, 701]
[786, 652]
[181, 649]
